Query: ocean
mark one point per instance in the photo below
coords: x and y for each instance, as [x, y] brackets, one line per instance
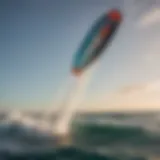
[98, 136]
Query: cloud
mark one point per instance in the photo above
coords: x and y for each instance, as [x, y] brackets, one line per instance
[154, 86]
[143, 88]
[150, 18]
[133, 89]
[145, 96]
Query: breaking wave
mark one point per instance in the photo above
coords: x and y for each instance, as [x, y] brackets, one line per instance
[104, 136]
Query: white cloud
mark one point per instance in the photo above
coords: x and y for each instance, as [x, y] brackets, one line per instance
[150, 18]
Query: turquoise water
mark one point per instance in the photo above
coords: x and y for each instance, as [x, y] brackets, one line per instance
[69, 153]
[100, 136]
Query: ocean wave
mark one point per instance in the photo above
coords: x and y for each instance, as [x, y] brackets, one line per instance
[70, 153]
[95, 134]
[111, 136]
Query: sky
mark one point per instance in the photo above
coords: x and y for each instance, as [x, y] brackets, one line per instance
[39, 38]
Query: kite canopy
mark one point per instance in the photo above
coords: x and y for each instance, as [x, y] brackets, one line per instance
[97, 38]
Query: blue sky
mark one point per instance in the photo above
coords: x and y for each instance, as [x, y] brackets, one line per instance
[39, 38]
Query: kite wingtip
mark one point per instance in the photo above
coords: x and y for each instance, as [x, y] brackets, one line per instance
[115, 14]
